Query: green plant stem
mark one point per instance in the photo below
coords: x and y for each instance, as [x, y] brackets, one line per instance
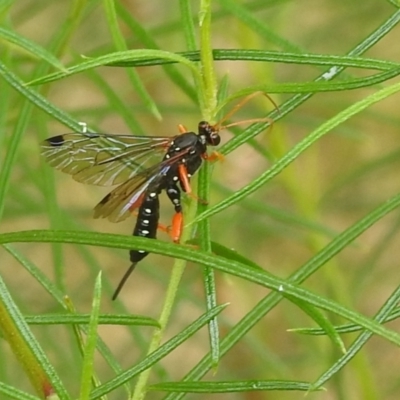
[208, 101]
[176, 275]
[208, 113]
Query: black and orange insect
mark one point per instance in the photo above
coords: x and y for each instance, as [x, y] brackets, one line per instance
[142, 166]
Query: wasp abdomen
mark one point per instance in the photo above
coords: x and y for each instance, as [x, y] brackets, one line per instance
[147, 223]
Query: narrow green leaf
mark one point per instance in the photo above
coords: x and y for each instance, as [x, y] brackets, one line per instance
[120, 44]
[26, 348]
[32, 48]
[273, 56]
[37, 99]
[113, 58]
[84, 319]
[387, 308]
[295, 152]
[315, 87]
[266, 304]
[345, 328]
[208, 273]
[208, 88]
[300, 98]
[157, 355]
[11, 154]
[258, 25]
[227, 266]
[322, 321]
[14, 393]
[38, 275]
[188, 25]
[147, 39]
[230, 386]
[88, 371]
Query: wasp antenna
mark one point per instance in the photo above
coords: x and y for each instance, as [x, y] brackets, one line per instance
[123, 280]
[238, 106]
[271, 100]
[248, 121]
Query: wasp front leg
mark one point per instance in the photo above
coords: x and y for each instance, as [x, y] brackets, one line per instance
[184, 179]
[214, 156]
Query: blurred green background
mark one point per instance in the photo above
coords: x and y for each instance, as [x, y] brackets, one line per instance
[337, 181]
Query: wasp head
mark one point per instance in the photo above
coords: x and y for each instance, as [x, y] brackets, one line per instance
[209, 134]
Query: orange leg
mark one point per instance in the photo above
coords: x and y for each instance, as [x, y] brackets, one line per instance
[184, 178]
[185, 181]
[214, 156]
[163, 228]
[182, 128]
[175, 231]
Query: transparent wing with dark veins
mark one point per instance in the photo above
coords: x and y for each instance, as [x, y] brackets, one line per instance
[102, 159]
[124, 199]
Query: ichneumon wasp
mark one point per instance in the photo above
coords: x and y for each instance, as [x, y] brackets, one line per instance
[142, 167]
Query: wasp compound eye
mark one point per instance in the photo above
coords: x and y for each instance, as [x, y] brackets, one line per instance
[215, 139]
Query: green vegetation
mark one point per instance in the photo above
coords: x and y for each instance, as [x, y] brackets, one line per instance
[286, 275]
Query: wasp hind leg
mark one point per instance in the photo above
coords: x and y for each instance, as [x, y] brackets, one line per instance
[175, 230]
